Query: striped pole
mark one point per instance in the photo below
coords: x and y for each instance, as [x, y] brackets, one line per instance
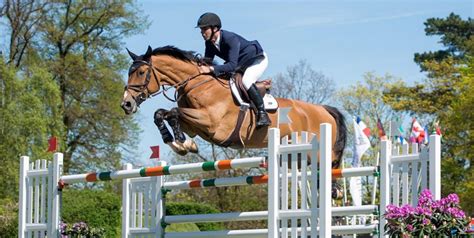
[217, 182]
[262, 179]
[254, 162]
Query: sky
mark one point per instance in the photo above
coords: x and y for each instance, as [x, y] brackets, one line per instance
[341, 39]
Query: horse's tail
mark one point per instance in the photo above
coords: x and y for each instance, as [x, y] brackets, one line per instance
[341, 137]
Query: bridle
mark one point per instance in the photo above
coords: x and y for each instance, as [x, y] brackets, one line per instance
[142, 89]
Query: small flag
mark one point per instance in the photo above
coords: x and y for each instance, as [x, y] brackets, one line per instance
[426, 139]
[363, 127]
[417, 132]
[437, 129]
[283, 117]
[382, 134]
[396, 127]
[155, 152]
[52, 144]
[401, 140]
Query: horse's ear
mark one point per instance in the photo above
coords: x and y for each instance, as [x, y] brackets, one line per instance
[134, 56]
[148, 53]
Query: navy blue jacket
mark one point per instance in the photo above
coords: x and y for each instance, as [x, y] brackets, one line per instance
[237, 52]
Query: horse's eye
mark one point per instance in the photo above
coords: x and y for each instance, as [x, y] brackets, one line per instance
[141, 73]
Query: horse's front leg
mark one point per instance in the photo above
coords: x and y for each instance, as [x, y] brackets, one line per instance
[159, 119]
[173, 120]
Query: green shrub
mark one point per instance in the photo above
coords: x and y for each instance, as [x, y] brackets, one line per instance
[99, 209]
[8, 218]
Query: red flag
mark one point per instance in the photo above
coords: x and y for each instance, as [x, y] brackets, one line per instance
[417, 131]
[437, 128]
[155, 152]
[438, 131]
[52, 144]
[363, 127]
[382, 134]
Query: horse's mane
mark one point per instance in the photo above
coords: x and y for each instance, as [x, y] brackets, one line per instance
[189, 56]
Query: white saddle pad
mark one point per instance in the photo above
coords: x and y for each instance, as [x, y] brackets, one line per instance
[269, 101]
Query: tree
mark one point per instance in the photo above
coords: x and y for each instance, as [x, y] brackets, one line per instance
[302, 82]
[29, 114]
[456, 35]
[364, 99]
[445, 95]
[61, 74]
[79, 42]
[87, 63]
[436, 93]
[23, 18]
[460, 139]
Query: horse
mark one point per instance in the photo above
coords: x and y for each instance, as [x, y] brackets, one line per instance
[207, 108]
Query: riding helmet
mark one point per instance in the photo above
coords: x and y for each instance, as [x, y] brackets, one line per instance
[209, 19]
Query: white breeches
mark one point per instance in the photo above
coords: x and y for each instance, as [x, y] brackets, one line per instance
[255, 71]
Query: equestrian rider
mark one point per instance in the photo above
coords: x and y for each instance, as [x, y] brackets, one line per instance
[239, 54]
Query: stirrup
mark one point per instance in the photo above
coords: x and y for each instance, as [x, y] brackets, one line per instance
[263, 119]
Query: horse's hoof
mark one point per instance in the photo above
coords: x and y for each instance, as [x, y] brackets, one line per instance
[191, 146]
[178, 148]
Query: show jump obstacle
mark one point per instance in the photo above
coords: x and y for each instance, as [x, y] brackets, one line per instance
[299, 195]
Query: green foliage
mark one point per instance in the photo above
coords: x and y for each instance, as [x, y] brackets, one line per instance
[99, 209]
[84, 54]
[457, 35]
[79, 43]
[433, 96]
[29, 115]
[446, 95]
[194, 208]
[8, 218]
[436, 94]
[364, 99]
[182, 227]
[459, 137]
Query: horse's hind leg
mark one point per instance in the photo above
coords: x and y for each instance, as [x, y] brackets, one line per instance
[173, 120]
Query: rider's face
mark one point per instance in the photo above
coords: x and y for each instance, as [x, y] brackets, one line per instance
[206, 32]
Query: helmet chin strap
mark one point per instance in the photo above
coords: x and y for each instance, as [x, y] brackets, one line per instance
[212, 34]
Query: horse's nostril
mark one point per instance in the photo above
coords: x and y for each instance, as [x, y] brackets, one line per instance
[126, 105]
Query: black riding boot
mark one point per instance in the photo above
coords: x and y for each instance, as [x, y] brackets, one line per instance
[262, 116]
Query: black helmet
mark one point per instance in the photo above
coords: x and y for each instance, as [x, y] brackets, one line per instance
[209, 19]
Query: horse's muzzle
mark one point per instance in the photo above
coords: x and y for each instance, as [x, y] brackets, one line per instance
[129, 106]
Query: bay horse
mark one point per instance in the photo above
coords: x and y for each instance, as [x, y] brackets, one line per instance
[207, 108]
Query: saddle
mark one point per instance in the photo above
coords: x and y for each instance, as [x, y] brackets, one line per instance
[240, 94]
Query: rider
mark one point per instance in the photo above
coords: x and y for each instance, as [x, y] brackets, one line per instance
[237, 53]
